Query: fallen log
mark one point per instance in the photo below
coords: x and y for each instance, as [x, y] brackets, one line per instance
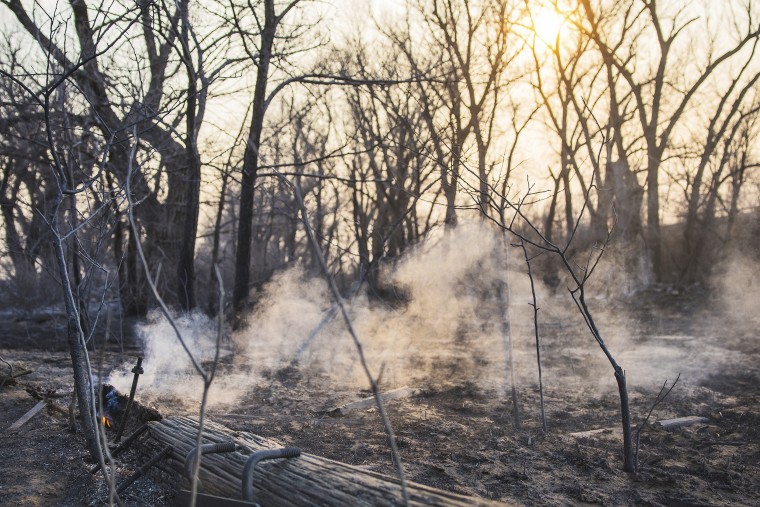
[306, 480]
[668, 424]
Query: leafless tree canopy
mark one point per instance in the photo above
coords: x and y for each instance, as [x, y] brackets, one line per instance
[408, 122]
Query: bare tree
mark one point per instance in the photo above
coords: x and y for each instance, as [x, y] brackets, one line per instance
[206, 375]
[73, 177]
[725, 154]
[658, 90]
[117, 97]
[569, 81]
[474, 50]
[532, 237]
[262, 55]
[391, 167]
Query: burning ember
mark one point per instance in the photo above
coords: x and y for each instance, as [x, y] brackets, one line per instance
[113, 404]
[113, 407]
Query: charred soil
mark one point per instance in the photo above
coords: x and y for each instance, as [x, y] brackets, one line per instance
[457, 434]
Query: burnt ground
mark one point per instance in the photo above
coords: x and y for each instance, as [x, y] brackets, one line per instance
[458, 434]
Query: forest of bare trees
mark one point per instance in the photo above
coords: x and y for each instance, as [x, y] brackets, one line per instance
[643, 113]
[625, 125]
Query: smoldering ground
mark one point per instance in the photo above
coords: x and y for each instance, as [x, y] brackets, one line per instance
[449, 331]
[460, 438]
[447, 281]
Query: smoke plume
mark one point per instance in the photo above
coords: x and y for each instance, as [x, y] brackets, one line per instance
[448, 331]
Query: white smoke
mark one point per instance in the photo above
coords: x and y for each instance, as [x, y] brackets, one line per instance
[447, 331]
[167, 365]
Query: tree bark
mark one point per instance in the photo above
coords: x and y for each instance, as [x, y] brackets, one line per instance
[75, 337]
[192, 176]
[629, 457]
[251, 161]
[654, 236]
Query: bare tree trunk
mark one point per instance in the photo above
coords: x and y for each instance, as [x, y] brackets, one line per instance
[552, 211]
[569, 215]
[75, 337]
[192, 175]
[653, 234]
[215, 244]
[629, 458]
[361, 218]
[628, 196]
[450, 172]
[503, 296]
[8, 202]
[251, 161]
[534, 305]
[484, 191]
[737, 182]
[136, 304]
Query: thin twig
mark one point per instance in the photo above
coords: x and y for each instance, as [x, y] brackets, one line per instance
[658, 399]
[207, 377]
[534, 304]
[504, 295]
[143, 261]
[206, 386]
[357, 343]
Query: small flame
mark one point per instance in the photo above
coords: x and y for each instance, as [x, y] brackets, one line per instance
[105, 421]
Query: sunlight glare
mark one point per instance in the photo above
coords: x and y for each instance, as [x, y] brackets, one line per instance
[548, 24]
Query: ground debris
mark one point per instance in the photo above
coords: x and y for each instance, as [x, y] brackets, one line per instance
[591, 433]
[10, 372]
[670, 424]
[395, 394]
[31, 413]
[457, 435]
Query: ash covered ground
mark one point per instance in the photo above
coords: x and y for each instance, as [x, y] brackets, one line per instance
[446, 338]
[458, 434]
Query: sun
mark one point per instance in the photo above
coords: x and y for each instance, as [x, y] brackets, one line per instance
[548, 25]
